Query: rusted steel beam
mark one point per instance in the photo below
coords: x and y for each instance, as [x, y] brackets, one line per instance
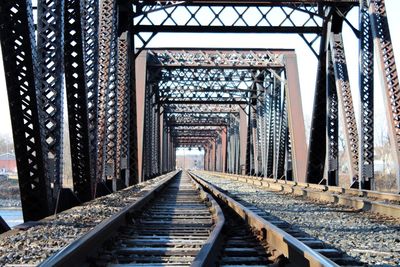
[296, 118]
[224, 150]
[243, 121]
[205, 57]
[140, 63]
[389, 77]
[346, 107]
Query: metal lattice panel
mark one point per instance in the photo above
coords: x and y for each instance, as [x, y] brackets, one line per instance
[148, 135]
[345, 103]
[205, 86]
[50, 66]
[121, 99]
[269, 105]
[224, 17]
[110, 144]
[367, 97]
[217, 58]
[333, 126]
[91, 45]
[77, 100]
[277, 111]
[380, 29]
[281, 148]
[20, 65]
[107, 24]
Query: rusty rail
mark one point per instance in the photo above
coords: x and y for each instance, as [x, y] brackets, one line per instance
[77, 252]
[80, 250]
[295, 251]
[387, 204]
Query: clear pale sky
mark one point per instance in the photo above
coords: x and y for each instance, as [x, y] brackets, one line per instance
[307, 61]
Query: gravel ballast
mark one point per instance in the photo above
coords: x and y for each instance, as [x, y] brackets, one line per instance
[33, 245]
[370, 238]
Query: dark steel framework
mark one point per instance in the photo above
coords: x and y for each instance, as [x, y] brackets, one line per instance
[129, 108]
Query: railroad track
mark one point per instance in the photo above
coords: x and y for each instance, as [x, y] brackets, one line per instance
[286, 244]
[178, 223]
[387, 204]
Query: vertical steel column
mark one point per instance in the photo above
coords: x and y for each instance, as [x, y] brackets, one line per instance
[172, 155]
[125, 171]
[110, 157]
[281, 148]
[390, 80]
[91, 46]
[133, 157]
[120, 159]
[277, 93]
[209, 148]
[243, 117]
[213, 156]
[232, 151]
[249, 148]
[110, 144]
[106, 34]
[317, 144]
[346, 107]
[229, 148]
[19, 59]
[366, 153]
[158, 149]
[237, 149]
[254, 141]
[296, 118]
[140, 87]
[224, 146]
[332, 124]
[261, 131]
[169, 149]
[50, 44]
[165, 146]
[269, 106]
[289, 161]
[205, 159]
[156, 139]
[77, 100]
[218, 154]
[161, 139]
[154, 146]
[148, 129]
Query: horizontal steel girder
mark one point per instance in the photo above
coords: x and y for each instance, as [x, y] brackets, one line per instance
[223, 16]
[209, 58]
[196, 108]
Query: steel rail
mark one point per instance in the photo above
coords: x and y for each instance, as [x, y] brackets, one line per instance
[77, 252]
[295, 251]
[209, 252]
[387, 204]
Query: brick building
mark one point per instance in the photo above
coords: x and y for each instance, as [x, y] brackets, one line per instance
[8, 163]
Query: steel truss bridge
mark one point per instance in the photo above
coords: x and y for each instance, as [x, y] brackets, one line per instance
[129, 106]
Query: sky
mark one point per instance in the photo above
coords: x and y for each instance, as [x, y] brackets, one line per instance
[306, 60]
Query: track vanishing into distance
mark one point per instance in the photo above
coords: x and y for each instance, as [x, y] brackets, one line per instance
[186, 221]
